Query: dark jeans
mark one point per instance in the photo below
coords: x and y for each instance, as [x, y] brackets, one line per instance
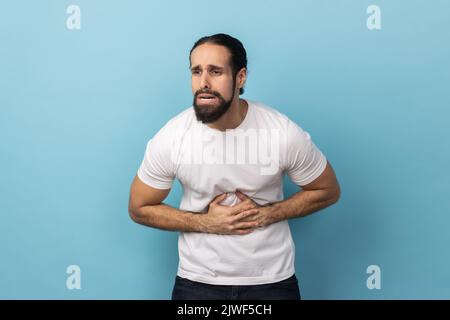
[185, 289]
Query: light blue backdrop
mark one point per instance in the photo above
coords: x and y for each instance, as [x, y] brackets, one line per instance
[78, 106]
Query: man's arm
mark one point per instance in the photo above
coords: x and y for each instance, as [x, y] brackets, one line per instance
[319, 194]
[145, 207]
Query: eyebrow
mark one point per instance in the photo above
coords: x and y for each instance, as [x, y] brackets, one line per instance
[210, 66]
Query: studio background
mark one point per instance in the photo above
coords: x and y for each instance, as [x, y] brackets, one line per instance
[77, 107]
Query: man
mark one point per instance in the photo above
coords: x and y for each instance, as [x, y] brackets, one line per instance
[230, 156]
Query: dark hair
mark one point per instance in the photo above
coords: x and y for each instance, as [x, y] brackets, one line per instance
[237, 51]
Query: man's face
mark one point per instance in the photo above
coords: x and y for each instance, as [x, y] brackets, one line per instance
[213, 84]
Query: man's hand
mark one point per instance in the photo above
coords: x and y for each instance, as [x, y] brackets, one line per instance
[262, 218]
[229, 220]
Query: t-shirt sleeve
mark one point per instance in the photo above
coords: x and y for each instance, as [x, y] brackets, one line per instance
[304, 162]
[157, 169]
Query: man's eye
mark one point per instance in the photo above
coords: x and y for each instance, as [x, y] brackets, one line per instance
[216, 72]
[195, 72]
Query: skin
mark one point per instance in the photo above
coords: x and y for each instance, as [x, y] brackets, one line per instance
[211, 71]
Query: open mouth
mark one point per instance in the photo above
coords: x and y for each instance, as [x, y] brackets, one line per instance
[206, 97]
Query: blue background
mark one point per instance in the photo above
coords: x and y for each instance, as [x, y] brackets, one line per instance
[77, 108]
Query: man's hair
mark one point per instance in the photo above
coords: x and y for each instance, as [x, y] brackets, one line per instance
[237, 51]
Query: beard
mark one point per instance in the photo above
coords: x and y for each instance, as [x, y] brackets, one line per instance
[211, 113]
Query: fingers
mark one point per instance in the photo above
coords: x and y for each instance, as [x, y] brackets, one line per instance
[245, 214]
[219, 198]
[241, 195]
[244, 205]
[241, 208]
[243, 231]
[246, 225]
[245, 200]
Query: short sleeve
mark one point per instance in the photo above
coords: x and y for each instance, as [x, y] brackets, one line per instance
[157, 169]
[304, 162]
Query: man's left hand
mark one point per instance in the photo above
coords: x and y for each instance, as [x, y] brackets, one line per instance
[263, 218]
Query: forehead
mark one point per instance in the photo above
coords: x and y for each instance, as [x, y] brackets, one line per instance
[210, 54]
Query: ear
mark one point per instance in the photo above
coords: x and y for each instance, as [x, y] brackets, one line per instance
[241, 77]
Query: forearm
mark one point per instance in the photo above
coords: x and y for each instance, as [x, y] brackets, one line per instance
[165, 217]
[300, 204]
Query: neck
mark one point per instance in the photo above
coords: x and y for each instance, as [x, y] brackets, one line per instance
[233, 117]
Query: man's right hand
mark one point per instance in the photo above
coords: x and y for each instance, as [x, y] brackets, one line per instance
[227, 220]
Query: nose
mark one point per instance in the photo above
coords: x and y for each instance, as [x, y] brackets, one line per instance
[204, 81]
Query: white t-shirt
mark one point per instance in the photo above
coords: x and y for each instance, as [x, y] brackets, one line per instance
[251, 158]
